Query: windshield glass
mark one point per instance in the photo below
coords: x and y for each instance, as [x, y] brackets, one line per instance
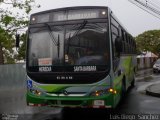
[88, 46]
[43, 51]
[82, 44]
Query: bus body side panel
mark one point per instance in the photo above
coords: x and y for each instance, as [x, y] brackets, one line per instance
[127, 66]
[115, 80]
[123, 67]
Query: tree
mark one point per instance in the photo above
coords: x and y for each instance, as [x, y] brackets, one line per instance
[14, 16]
[149, 41]
[6, 45]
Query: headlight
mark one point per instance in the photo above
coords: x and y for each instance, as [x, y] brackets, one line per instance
[103, 92]
[37, 92]
[98, 93]
[32, 87]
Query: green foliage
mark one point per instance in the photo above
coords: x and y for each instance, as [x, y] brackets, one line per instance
[6, 19]
[149, 41]
[12, 18]
[7, 44]
[19, 18]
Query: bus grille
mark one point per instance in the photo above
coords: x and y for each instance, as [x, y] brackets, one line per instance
[65, 102]
[71, 102]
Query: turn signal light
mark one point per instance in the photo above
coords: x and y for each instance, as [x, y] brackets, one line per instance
[97, 94]
[113, 91]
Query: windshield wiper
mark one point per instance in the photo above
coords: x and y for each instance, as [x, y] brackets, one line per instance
[51, 35]
[80, 28]
[56, 42]
[58, 45]
[76, 33]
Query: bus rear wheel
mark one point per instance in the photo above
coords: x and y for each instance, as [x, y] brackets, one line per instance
[133, 82]
[123, 89]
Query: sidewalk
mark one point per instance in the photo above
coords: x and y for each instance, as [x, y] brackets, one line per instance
[153, 90]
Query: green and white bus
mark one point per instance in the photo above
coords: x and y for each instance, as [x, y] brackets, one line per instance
[78, 57]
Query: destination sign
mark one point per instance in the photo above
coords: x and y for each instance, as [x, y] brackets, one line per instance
[43, 18]
[68, 15]
[74, 15]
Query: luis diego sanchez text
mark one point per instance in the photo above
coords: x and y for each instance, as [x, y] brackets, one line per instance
[134, 117]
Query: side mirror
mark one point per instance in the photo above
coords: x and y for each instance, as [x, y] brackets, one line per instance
[17, 40]
[118, 44]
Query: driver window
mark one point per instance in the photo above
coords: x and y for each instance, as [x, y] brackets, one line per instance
[114, 35]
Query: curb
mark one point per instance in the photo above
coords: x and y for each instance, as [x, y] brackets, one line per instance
[151, 93]
[143, 77]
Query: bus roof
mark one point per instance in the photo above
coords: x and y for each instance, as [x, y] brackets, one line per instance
[71, 8]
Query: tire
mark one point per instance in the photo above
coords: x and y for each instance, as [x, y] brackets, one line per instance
[123, 91]
[133, 82]
[154, 71]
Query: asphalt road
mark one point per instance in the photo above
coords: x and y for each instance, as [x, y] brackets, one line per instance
[13, 102]
[136, 102]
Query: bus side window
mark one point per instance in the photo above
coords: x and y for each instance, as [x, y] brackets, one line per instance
[123, 39]
[115, 34]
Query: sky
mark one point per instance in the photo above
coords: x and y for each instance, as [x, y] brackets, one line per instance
[135, 20]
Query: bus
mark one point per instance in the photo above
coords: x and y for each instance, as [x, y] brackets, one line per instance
[78, 57]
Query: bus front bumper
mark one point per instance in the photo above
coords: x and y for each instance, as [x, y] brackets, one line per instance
[105, 101]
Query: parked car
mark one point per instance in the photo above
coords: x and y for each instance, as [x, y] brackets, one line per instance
[156, 66]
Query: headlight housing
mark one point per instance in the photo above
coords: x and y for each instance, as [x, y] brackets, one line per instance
[34, 89]
[103, 92]
[37, 92]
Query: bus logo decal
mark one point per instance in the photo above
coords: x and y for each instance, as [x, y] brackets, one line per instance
[65, 92]
[45, 69]
[85, 68]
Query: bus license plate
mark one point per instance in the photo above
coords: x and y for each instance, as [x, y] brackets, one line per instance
[99, 102]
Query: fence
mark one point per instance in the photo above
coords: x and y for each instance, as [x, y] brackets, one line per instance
[145, 62]
[12, 76]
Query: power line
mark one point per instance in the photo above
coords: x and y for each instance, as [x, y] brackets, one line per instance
[146, 6]
[149, 7]
[156, 2]
[156, 6]
[143, 9]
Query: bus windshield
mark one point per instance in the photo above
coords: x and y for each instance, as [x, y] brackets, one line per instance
[82, 44]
